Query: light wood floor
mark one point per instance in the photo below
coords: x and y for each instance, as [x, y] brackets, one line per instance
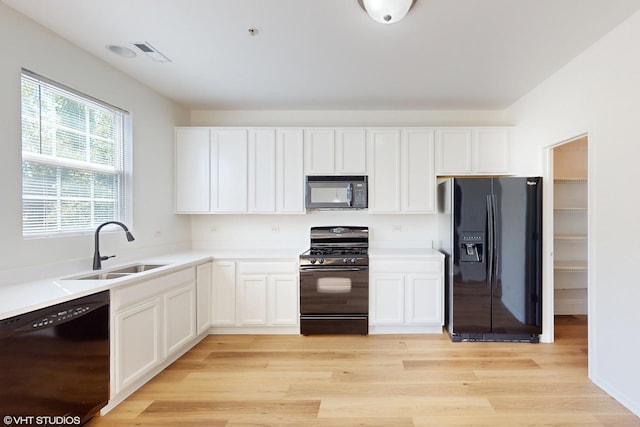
[377, 380]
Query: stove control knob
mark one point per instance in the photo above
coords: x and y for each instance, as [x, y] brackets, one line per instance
[321, 260]
[312, 260]
[345, 260]
[353, 260]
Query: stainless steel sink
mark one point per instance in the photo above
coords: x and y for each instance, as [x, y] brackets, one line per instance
[118, 273]
[138, 268]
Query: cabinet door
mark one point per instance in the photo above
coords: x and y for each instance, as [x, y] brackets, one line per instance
[491, 150]
[223, 295]
[351, 152]
[418, 174]
[423, 304]
[384, 178]
[319, 151]
[192, 179]
[289, 171]
[283, 300]
[262, 170]
[204, 274]
[179, 317]
[388, 299]
[453, 151]
[138, 334]
[229, 170]
[252, 299]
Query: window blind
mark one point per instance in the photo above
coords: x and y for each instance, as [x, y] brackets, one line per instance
[73, 160]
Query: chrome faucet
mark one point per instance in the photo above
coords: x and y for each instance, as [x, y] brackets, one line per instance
[97, 258]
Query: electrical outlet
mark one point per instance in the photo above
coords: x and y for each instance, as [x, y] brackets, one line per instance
[213, 228]
[275, 229]
[397, 228]
[158, 233]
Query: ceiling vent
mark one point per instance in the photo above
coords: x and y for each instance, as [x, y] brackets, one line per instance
[152, 52]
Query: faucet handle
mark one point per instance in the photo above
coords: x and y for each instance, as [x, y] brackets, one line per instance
[106, 257]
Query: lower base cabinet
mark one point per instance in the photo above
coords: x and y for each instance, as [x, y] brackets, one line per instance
[406, 296]
[152, 321]
[255, 297]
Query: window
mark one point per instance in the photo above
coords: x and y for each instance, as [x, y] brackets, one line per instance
[73, 160]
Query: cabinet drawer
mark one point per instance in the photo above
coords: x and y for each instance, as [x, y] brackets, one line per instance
[406, 266]
[268, 267]
[133, 294]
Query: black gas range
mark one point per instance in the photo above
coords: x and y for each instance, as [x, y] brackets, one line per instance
[334, 281]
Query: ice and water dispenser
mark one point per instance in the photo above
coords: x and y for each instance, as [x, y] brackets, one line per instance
[472, 246]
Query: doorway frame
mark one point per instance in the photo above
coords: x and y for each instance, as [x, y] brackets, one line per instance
[549, 300]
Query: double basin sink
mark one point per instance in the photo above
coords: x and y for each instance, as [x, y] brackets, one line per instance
[118, 273]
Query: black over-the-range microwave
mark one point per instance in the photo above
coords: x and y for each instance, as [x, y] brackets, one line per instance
[336, 192]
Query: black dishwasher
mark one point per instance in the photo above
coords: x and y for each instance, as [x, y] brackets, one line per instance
[54, 363]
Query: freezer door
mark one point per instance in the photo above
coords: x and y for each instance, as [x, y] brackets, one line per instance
[516, 302]
[470, 292]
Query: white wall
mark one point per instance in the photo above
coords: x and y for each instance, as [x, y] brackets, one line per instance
[25, 44]
[599, 93]
[257, 231]
[349, 118]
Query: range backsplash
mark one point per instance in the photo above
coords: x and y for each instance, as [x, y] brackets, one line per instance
[292, 231]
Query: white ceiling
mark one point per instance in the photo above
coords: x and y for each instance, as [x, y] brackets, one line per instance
[329, 55]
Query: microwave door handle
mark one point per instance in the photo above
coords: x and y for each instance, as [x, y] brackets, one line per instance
[350, 194]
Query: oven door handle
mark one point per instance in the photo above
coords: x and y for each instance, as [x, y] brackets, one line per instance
[336, 270]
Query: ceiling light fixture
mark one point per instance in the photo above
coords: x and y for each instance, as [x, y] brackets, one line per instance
[386, 11]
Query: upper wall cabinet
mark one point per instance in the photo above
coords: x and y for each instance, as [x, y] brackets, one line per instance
[192, 178]
[276, 178]
[331, 151]
[229, 153]
[401, 170]
[472, 151]
[234, 170]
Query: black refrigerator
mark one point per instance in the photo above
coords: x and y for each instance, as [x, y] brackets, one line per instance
[491, 235]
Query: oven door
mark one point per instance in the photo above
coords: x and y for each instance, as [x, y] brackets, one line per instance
[334, 290]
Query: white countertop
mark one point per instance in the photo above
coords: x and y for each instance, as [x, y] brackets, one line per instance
[23, 297]
[19, 298]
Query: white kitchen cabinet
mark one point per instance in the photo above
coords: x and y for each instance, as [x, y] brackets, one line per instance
[289, 171]
[283, 299]
[223, 293]
[330, 151]
[239, 170]
[267, 293]
[387, 298]
[192, 178]
[229, 153]
[138, 345]
[276, 177]
[407, 295]
[385, 175]
[402, 177]
[262, 170]
[472, 151]
[351, 151]
[204, 277]
[153, 320]
[252, 299]
[179, 317]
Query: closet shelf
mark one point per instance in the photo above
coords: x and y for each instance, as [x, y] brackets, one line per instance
[570, 209]
[570, 180]
[571, 237]
[570, 266]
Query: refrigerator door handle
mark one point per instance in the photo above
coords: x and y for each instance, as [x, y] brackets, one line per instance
[494, 243]
[490, 235]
